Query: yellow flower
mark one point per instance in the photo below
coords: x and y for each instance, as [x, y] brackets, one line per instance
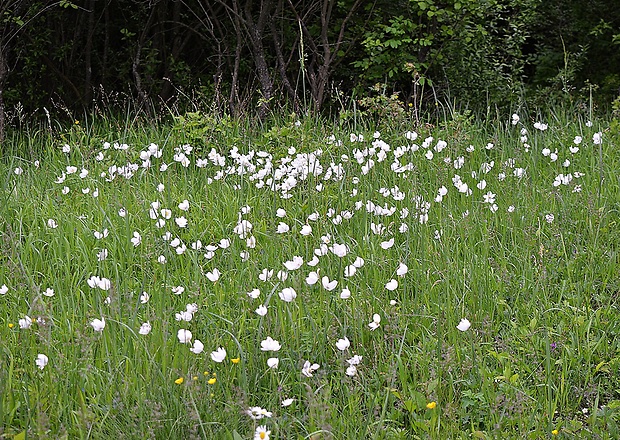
[235, 360]
[555, 432]
[179, 381]
[431, 405]
[11, 325]
[195, 378]
[206, 373]
[211, 381]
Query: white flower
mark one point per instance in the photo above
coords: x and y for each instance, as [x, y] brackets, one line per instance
[314, 261]
[515, 119]
[243, 229]
[287, 294]
[265, 274]
[376, 321]
[51, 223]
[261, 310]
[282, 228]
[540, 126]
[411, 135]
[102, 255]
[214, 275]
[306, 230]
[287, 402]
[391, 285]
[102, 283]
[387, 244]
[218, 355]
[329, 285]
[273, 362]
[41, 361]
[549, 218]
[309, 368]
[270, 344]
[181, 222]
[177, 290]
[185, 336]
[184, 205]
[402, 270]
[254, 293]
[359, 262]
[257, 413]
[351, 370]
[261, 433]
[355, 360]
[224, 243]
[346, 293]
[463, 325]
[343, 344]
[25, 322]
[597, 138]
[489, 197]
[99, 235]
[312, 278]
[281, 213]
[144, 298]
[145, 328]
[294, 264]
[350, 270]
[136, 239]
[197, 347]
[98, 324]
[48, 292]
[339, 250]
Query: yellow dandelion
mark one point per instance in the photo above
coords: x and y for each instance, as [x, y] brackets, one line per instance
[431, 405]
[555, 432]
[11, 325]
[195, 378]
[179, 381]
[235, 360]
[211, 381]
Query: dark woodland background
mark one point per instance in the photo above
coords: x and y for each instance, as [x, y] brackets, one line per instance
[253, 56]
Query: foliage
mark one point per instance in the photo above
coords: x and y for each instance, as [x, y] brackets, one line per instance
[251, 57]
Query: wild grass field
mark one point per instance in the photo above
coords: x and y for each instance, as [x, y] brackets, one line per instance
[302, 280]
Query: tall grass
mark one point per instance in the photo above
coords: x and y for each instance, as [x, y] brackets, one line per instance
[531, 266]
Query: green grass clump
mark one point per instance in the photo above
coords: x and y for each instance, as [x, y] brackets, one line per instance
[511, 228]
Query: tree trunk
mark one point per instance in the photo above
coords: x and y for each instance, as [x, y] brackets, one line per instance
[255, 32]
[3, 74]
[88, 49]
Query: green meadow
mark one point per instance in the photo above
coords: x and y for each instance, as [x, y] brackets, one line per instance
[299, 279]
